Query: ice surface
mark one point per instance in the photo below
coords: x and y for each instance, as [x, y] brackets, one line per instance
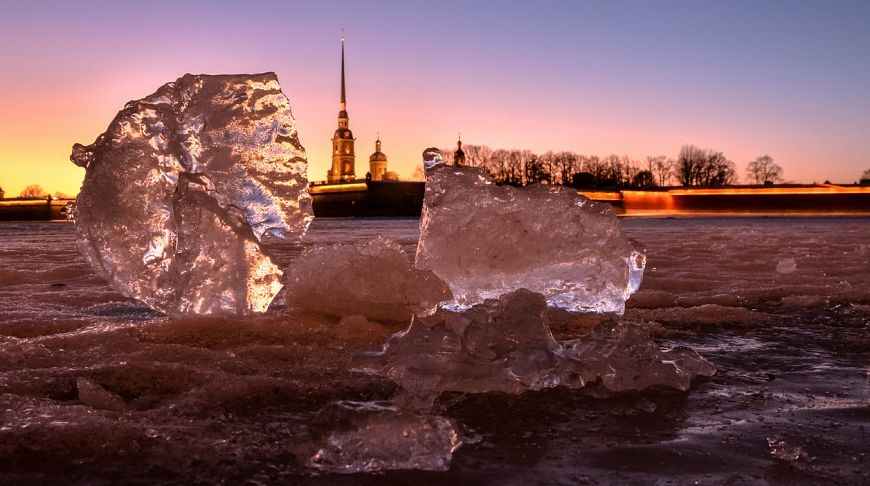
[506, 345]
[372, 278]
[209, 399]
[486, 240]
[182, 188]
[369, 436]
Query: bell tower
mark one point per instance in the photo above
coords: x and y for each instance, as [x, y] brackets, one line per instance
[343, 158]
[378, 162]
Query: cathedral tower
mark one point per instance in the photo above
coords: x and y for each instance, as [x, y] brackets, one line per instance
[343, 159]
[378, 162]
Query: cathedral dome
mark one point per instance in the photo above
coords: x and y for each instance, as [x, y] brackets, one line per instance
[378, 156]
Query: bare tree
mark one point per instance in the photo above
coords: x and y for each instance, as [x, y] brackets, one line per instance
[689, 165]
[699, 167]
[419, 174]
[719, 171]
[536, 171]
[567, 164]
[643, 178]
[34, 191]
[866, 175]
[447, 155]
[763, 170]
[661, 167]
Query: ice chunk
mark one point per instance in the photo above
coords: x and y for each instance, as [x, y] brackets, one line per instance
[94, 395]
[787, 452]
[368, 436]
[372, 278]
[623, 357]
[505, 345]
[786, 266]
[432, 157]
[485, 240]
[183, 186]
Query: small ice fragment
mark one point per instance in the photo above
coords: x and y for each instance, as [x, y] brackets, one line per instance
[95, 396]
[183, 186]
[786, 452]
[373, 278]
[786, 266]
[367, 436]
[505, 345]
[486, 240]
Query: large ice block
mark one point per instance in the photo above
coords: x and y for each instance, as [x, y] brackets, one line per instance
[505, 345]
[486, 240]
[184, 185]
[373, 278]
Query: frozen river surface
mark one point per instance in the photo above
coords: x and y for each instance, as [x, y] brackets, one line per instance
[780, 306]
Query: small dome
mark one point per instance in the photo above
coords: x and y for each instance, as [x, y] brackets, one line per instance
[343, 114]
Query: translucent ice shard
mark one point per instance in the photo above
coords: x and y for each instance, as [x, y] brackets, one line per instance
[373, 278]
[366, 436]
[485, 240]
[94, 395]
[506, 345]
[622, 357]
[183, 186]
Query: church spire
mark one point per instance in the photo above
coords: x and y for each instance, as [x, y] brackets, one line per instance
[343, 96]
[343, 158]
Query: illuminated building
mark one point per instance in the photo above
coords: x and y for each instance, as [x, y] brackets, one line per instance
[343, 158]
[378, 162]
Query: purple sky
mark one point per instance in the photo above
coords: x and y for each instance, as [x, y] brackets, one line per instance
[638, 78]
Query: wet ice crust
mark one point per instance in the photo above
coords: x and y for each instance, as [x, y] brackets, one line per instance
[486, 240]
[184, 185]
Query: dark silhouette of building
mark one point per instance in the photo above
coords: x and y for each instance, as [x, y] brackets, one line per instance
[459, 155]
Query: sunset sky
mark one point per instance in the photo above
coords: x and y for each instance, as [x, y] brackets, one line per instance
[790, 79]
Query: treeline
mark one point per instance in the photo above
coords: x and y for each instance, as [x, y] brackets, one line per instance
[35, 191]
[692, 167]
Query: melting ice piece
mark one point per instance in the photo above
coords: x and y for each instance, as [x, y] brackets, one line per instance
[368, 436]
[623, 357]
[94, 395]
[786, 452]
[373, 278]
[182, 187]
[486, 240]
[506, 345]
[786, 266]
